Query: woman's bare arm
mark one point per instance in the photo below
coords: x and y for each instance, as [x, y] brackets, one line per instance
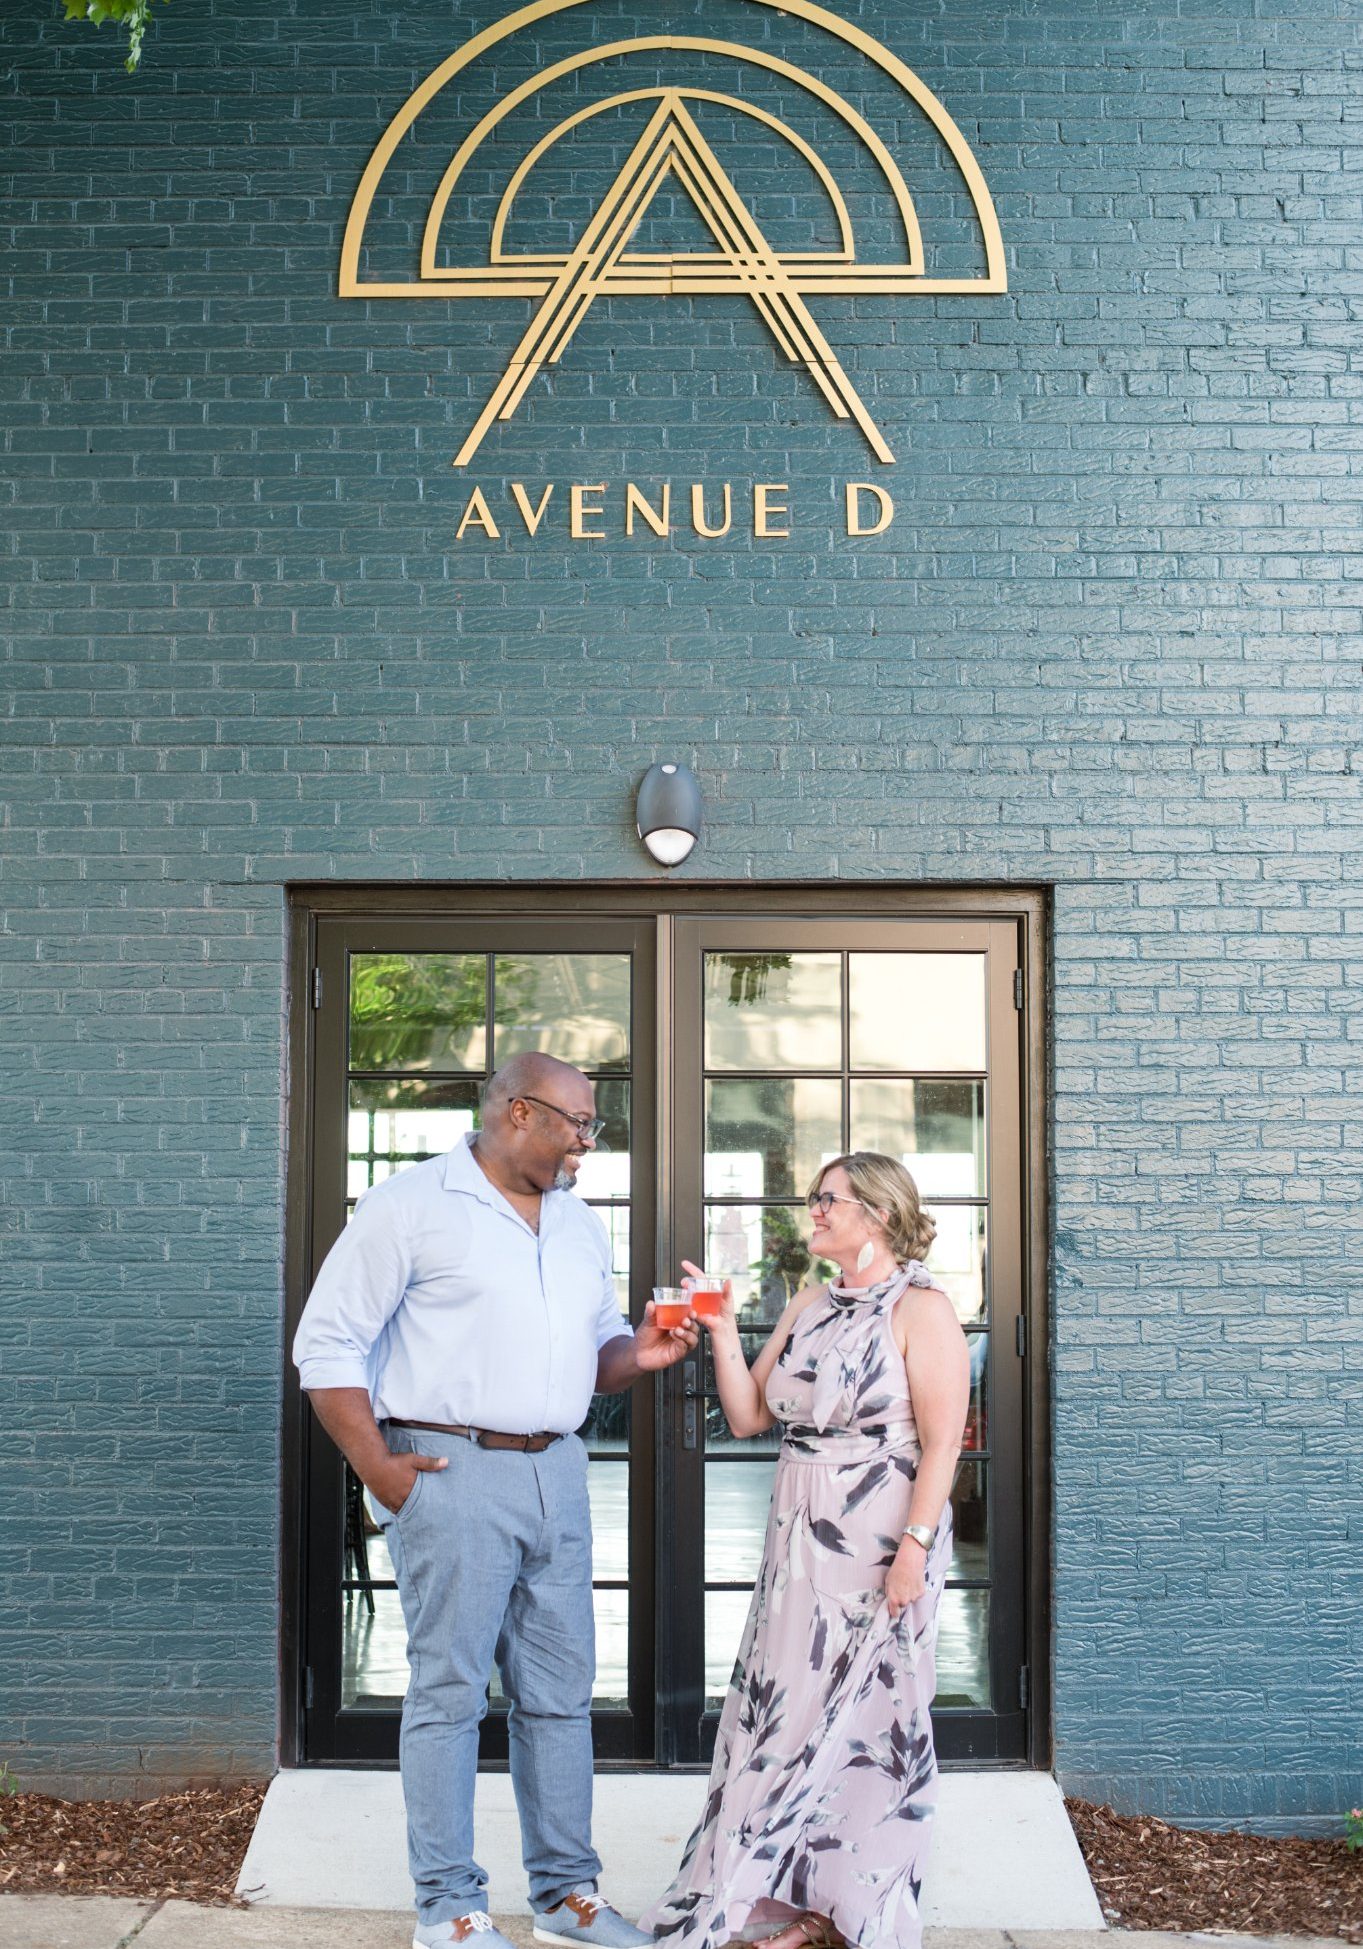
[742, 1389]
[937, 1360]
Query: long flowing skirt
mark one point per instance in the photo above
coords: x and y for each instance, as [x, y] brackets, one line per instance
[824, 1781]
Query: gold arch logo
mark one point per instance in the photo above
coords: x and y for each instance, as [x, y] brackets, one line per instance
[672, 149]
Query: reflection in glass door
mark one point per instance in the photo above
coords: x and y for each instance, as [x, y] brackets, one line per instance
[421, 1031]
[802, 1050]
[731, 1058]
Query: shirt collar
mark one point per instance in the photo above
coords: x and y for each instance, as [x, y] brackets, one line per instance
[463, 1172]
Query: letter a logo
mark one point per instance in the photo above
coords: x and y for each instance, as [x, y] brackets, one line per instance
[670, 150]
[672, 145]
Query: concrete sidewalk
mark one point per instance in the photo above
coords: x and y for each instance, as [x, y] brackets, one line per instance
[110, 1922]
[332, 1837]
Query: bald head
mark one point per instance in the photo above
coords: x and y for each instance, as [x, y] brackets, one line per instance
[535, 1112]
[528, 1075]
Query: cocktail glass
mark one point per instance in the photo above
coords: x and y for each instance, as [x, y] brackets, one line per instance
[671, 1304]
[707, 1297]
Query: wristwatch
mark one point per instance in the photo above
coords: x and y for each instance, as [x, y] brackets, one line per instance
[921, 1534]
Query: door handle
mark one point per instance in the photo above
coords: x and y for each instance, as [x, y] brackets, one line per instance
[691, 1394]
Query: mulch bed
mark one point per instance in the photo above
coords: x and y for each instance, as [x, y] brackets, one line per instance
[189, 1846]
[1152, 1876]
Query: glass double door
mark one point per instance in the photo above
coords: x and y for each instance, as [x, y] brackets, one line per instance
[731, 1057]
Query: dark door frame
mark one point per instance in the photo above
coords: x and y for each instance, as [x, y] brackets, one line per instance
[998, 1734]
[619, 1731]
[1025, 908]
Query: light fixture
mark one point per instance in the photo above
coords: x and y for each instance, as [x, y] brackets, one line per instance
[667, 812]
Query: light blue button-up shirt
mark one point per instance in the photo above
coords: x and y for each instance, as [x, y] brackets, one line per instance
[442, 1302]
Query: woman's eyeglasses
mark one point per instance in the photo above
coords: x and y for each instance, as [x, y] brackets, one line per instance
[824, 1201]
[587, 1128]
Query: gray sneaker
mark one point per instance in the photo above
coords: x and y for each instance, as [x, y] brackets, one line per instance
[584, 1917]
[475, 1927]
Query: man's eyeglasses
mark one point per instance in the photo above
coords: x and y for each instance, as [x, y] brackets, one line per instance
[824, 1201]
[587, 1128]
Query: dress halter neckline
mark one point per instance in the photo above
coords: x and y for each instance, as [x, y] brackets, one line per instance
[911, 1273]
[847, 1296]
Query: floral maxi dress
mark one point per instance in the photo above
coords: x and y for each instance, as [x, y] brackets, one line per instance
[824, 1781]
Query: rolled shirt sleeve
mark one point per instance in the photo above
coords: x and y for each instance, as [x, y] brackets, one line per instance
[446, 1306]
[360, 1287]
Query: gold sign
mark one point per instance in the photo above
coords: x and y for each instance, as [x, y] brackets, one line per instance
[708, 510]
[672, 149]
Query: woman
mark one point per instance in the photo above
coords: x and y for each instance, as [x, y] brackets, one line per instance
[816, 1818]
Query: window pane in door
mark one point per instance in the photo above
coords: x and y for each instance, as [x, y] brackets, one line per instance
[374, 1645]
[977, 1414]
[607, 1426]
[766, 1137]
[615, 1218]
[970, 1524]
[935, 1128]
[773, 1011]
[917, 1012]
[604, 1172]
[573, 1006]
[764, 1250]
[427, 1094]
[957, 1258]
[421, 1045]
[737, 1498]
[719, 1438]
[418, 1011]
[608, 1491]
[726, 1612]
[963, 1648]
[611, 1684]
[400, 1120]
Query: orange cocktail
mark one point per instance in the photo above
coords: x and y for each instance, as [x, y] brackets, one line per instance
[671, 1304]
[707, 1298]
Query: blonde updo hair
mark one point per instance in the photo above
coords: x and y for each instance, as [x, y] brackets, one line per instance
[882, 1183]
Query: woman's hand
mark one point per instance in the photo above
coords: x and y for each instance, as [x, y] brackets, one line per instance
[907, 1579]
[724, 1307]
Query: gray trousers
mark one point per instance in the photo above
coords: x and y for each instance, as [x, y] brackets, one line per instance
[493, 1558]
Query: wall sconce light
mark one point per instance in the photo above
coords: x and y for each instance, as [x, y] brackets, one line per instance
[667, 812]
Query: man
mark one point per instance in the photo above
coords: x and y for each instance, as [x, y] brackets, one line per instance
[450, 1347]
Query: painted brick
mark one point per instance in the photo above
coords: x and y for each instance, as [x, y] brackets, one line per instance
[1110, 646]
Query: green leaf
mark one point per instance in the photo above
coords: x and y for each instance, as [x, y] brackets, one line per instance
[132, 14]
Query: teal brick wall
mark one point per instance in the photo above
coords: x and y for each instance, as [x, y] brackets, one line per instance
[1111, 644]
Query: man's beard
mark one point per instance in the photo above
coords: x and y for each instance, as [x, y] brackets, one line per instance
[564, 1179]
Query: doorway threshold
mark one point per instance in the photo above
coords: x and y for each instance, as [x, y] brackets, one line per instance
[1004, 1855]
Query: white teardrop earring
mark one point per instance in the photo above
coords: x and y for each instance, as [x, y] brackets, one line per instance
[866, 1254]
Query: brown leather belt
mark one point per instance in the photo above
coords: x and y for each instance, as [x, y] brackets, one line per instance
[485, 1437]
